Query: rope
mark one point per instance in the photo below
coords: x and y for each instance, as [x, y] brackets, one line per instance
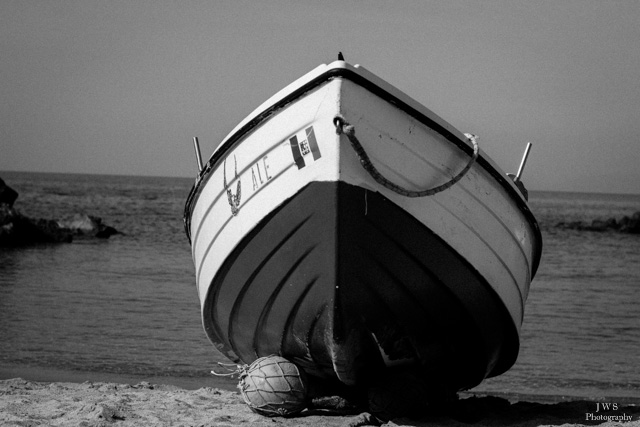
[236, 370]
[343, 127]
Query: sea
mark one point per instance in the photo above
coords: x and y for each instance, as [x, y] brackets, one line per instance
[128, 306]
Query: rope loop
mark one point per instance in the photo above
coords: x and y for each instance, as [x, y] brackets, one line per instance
[231, 370]
[343, 127]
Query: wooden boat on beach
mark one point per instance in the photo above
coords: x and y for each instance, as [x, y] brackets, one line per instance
[349, 229]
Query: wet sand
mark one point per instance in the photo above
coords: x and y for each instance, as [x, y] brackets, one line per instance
[30, 403]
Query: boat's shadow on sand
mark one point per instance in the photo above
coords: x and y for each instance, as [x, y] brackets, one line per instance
[489, 411]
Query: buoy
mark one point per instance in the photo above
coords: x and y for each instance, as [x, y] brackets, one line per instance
[274, 386]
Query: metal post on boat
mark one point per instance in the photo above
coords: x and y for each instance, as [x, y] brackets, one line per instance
[523, 162]
[196, 146]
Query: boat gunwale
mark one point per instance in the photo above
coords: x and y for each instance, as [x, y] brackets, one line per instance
[353, 75]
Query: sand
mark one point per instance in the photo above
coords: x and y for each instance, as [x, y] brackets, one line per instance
[30, 403]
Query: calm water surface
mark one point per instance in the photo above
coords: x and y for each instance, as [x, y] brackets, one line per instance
[128, 305]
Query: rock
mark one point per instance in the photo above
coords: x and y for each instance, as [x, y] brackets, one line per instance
[631, 225]
[7, 194]
[7, 214]
[573, 225]
[612, 223]
[80, 223]
[53, 232]
[19, 230]
[626, 224]
[596, 225]
[83, 225]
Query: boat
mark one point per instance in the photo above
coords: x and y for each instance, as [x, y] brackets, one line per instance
[346, 227]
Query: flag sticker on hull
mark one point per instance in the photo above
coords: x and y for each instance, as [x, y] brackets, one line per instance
[304, 147]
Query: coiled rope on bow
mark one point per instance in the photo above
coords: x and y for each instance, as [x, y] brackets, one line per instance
[343, 127]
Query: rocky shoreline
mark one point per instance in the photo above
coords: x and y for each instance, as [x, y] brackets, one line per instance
[626, 224]
[17, 229]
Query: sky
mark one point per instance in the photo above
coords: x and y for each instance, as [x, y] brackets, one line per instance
[121, 87]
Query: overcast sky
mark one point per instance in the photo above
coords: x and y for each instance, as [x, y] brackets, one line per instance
[120, 87]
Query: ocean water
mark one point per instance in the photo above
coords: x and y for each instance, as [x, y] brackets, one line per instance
[128, 305]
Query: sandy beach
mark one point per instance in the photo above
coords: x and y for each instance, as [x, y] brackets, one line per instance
[30, 403]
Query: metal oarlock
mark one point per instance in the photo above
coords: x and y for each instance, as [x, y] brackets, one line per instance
[196, 146]
[523, 162]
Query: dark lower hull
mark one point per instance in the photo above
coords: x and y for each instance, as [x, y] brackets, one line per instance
[339, 275]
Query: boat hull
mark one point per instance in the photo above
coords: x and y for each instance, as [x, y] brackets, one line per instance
[299, 251]
[330, 282]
